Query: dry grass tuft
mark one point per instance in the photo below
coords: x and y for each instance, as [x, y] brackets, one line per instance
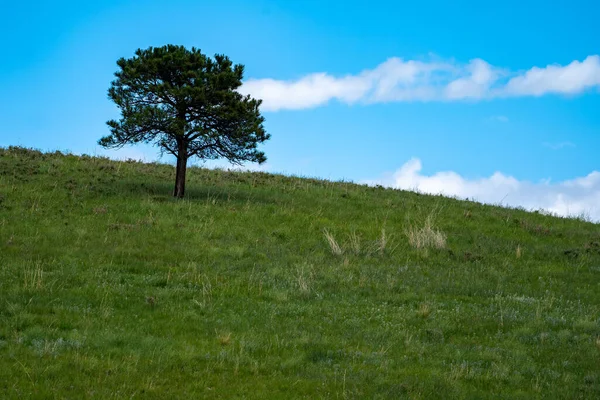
[424, 310]
[355, 244]
[519, 251]
[333, 244]
[426, 236]
[382, 242]
[34, 277]
[304, 279]
[224, 338]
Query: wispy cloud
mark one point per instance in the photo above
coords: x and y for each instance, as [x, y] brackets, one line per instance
[558, 146]
[580, 196]
[397, 80]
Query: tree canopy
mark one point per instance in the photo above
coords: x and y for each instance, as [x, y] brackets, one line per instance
[186, 103]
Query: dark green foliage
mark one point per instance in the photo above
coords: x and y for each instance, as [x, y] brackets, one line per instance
[186, 103]
[98, 301]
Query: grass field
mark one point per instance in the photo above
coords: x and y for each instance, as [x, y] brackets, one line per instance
[266, 286]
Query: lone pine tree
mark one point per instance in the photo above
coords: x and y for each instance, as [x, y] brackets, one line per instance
[187, 104]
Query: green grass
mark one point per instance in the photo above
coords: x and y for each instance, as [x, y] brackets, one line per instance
[109, 288]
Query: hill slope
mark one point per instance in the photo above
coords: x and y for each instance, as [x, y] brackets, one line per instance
[265, 286]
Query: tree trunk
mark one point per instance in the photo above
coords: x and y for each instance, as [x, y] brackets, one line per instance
[181, 170]
[176, 176]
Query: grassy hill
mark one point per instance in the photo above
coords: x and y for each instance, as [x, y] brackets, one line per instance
[266, 286]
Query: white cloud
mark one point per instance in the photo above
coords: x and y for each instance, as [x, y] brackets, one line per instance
[412, 80]
[570, 79]
[391, 80]
[476, 84]
[580, 196]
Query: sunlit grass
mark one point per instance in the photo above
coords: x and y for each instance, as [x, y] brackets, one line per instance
[266, 286]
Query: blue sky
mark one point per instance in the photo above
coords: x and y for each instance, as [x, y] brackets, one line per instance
[539, 132]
